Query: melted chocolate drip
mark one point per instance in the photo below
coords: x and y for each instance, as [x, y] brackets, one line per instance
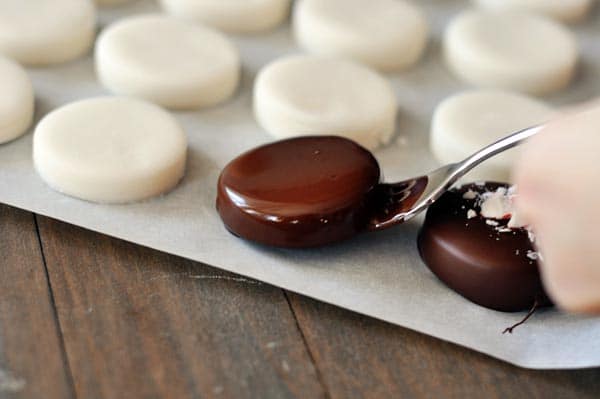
[531, 312]
[485, 265]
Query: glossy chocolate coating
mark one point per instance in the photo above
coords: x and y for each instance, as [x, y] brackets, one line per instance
[488, 267]
[300, 192]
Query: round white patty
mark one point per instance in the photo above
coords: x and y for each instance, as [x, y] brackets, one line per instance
[563, 10]
[237, 16]
[16, 100]
[308, 95]
[385, 34]
[511, 50]
[167, 61]
[110, 150]
[111, 2]
[468, 121]
[44, 32]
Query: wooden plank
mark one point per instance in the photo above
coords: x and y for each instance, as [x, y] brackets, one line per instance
[32, 362]
[139, 323]
[359, 357]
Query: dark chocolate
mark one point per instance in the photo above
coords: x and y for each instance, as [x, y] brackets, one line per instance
[309, 191]
[486, 263]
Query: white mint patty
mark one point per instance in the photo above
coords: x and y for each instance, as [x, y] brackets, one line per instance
[237, 16]
[16, 100]
[111, 2]
[385, 34]
[45, 32]
[310, 95]
[168, 61]
[511, 50]
[110, 150]
[562, 10]
[468, 121]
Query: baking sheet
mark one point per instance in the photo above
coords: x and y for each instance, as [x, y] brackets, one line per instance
[378, 274]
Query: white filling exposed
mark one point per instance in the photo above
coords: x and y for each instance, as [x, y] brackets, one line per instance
[110, 150]
[238, 16]
[385, 34]
[516, 220]
[470, 194]
[511, 50]
[44, 32]
[499, 205]
[168, 61]
[534, 255]
[311, 95]
[16, 100]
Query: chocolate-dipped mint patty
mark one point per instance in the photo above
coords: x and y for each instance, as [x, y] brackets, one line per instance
[489, 260]
[300, 192]
[310, 191]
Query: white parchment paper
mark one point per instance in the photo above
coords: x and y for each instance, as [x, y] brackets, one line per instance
[379, 274]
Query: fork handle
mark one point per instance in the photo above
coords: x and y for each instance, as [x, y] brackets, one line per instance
[398, 202]
[493, 149]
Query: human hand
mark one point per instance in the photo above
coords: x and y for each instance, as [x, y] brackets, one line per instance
[558, 180]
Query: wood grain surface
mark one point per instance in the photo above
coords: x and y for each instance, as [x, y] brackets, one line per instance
[362, 357]
[32, 361]
[88, 316]
[139, 322]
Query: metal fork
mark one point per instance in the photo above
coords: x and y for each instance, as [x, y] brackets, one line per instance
[406, 199]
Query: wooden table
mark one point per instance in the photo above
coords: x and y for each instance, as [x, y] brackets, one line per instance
[88, 316]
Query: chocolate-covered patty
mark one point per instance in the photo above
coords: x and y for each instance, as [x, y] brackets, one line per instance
[481, 258]
[299, 192]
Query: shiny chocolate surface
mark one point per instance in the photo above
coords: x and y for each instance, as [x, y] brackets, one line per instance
[479, 258]
[300, 192]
